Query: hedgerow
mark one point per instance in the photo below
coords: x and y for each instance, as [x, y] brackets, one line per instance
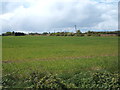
[50, 81]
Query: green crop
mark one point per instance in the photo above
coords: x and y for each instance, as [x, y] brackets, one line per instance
[65, 56]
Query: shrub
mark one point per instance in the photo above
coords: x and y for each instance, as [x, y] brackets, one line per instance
[97, 80]
[70, 34]
[10, 80]
[106, 80]
[51, 82]
[47, 81]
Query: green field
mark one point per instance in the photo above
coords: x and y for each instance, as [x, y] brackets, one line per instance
[64, 56]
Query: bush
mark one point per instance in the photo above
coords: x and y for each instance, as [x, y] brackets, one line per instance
[48, 81]
[51, 81]
[70, 34]
[10, 81]
[89, 34]
[106, 80]
[37, 80]
[96, 80]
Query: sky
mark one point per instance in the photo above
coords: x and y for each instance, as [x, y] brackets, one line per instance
[58, 15]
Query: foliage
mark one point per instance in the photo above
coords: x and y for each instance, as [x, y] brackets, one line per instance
[35, 80]
[49, 81]
[70, 34]
[7, 34]
[13, 34]
[62, 34]
[106, 80]
[10, 80]
[44, 33]
[19, 34]
[34, 34]
[96, 80]
[77, 33]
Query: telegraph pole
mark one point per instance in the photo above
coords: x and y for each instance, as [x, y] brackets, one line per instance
[75, 28]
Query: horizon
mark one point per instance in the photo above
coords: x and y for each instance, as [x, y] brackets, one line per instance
[61, 31]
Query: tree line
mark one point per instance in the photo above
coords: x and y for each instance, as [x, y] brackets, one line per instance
[77, 33]
[13, 34]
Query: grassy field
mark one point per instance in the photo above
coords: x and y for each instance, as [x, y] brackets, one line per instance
[65, 56]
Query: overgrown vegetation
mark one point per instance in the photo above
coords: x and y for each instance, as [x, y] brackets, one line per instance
[50, 81]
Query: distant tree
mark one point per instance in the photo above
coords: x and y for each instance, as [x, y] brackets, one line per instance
[44, 33]
[70, 34]
[79, 33]
[52, 34]
[19, 34]
[8, 33]
[57, 34]
[13, 33]
[65, 33]
[62, 33]
[34, 33]
[89, 33]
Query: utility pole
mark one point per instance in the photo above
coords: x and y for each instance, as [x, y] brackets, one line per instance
[61, 30]
[75, 28]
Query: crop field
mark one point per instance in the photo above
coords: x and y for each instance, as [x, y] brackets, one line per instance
[61, 56]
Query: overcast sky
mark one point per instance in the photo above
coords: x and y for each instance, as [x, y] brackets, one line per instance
[58, 15]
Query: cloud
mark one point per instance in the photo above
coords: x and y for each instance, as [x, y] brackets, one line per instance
[48, 15]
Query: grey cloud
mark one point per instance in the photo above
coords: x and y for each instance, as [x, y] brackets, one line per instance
[58, 15]
[9, 6]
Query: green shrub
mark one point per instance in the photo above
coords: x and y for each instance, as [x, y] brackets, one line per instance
[96, 80]
[10, 81]
[48, 81]
[32, 79]
[51, 82]
[37, 80]
[106, 80]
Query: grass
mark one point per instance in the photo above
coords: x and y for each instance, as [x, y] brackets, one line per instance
[32, 48]
[65, 56]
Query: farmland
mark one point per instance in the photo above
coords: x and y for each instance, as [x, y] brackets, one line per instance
[64, 56]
